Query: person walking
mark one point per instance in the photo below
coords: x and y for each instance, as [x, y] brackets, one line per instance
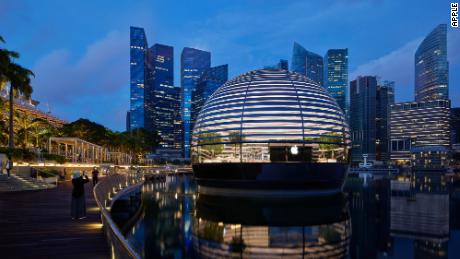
[78, 206]
[95, 176]
[9, 166]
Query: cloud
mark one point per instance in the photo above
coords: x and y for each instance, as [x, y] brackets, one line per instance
[99, 77]
[398, 66]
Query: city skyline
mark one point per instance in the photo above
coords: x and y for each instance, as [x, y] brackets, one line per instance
[93, 60]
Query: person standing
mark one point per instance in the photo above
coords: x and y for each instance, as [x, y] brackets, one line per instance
[78, 206]
[9, 166]
[95, 176]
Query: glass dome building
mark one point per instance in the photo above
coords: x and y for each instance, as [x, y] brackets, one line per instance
[271, 130]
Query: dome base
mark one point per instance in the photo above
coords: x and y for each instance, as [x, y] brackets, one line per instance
[270, 179]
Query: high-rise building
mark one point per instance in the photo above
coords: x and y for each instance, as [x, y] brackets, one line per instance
[385, 98]
[128, 121]
[307, 63]
[363, 107]
[209, 81]
[418, 124]
[336, 75]
[455, 122]
[431, 66]
[283, 64]
[160, 94]
[138, 48]
[370, 102]
[193, 63]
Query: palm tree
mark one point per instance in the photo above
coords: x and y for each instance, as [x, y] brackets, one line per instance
[19, 79]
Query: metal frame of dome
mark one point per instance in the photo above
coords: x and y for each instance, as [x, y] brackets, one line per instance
[267, 120]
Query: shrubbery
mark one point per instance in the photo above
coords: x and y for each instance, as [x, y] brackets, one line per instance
[19, 154]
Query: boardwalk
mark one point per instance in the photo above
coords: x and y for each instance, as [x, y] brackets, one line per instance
[37, 224]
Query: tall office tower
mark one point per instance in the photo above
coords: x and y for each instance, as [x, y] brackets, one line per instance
[455, 122]
[307, 63]
[160, 94]
[336, 75]
[138, 49]
[193, 63]
[128, 121]
[385, 98]
[431, 66]
[283, 64]
[209, 81]
[418, 124]
[178, 125]
[363, 107]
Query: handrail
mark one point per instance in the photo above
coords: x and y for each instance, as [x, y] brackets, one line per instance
[116, 185]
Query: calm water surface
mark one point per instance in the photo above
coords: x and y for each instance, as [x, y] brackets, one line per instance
[415, 217]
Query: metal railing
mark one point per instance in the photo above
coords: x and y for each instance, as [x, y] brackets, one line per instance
[105, 193]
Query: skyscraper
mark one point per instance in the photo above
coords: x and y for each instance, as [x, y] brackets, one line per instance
[370, 102]
[283, 64]
[362, 117]
[193, 63]
[138, 48]
[307, 63]
[209, 81]
[128, 121]
[385, 98]
[336, 75]
[160, 94]
[431, 66]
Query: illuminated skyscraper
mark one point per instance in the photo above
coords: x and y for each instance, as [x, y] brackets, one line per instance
[193, 63]
[210, 80]
[160, 94]
[431, 66]
[336, 73]
[138, 48]
[307, 63]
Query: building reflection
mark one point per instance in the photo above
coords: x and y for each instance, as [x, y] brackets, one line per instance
[167, 218]
[225, 227]
[420, 212]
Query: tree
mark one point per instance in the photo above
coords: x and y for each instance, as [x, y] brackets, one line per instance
[19, 79]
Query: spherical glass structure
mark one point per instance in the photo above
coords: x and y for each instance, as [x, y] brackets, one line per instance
[268, 116]
[271, 128]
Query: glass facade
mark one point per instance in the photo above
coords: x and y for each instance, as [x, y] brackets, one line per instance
[193, 63]
[385, 98]
[270, 116]
[431, 66]
[363, 92]
[161, 97]
[210, 80]
[336, 75]
[307, 63]
[138, 49]
[418, 124]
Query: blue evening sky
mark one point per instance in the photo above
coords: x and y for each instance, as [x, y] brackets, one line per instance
[79, 50]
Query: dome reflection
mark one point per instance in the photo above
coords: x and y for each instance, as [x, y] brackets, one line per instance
[259, 228]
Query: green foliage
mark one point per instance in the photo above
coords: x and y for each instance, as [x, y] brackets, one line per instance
[137, 142]
[46, 173]
[209, 142]
[57, 158]
[212, 231]
[18, 154]
[329, 234]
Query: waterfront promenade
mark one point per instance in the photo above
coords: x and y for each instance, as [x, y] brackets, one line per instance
[37, 224]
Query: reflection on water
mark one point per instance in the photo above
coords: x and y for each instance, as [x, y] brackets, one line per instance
[413, 217]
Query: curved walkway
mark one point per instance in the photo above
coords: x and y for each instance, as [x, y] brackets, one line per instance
[37, 224]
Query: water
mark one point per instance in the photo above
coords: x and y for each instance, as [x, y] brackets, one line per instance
[415, 217]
